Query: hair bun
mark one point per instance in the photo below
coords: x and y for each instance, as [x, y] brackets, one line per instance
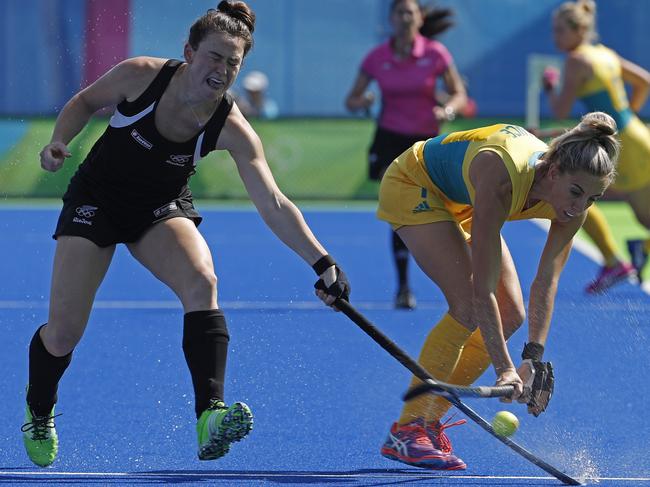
[599, 122]
[239, 11]
[224, 6]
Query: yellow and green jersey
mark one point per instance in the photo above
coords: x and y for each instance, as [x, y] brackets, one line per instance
[605, 91]
[447, 159]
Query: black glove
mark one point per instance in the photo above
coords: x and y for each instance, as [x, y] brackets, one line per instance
[538, 388]
[339, 288]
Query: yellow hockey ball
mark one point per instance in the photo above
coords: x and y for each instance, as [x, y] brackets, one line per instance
[505, 423]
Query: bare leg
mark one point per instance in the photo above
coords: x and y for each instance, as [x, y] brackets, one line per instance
[176, 253]
[79, 267]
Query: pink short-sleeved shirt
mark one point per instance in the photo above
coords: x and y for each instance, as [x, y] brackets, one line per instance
[408, 86]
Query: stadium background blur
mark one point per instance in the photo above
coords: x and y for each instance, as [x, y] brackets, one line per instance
[310, 50]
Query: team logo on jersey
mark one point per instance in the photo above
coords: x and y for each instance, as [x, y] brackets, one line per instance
[141, 140]
[179, 159]
[423, 206]
[85, 212]
[163, 210]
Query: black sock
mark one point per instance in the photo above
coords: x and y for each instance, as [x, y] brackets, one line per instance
[401, 255]
[45, 372]
[205, 343]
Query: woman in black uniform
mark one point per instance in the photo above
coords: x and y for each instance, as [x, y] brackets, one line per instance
[132, 189]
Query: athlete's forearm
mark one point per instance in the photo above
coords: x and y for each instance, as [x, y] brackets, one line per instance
[486, 314]
[288, 224]
[540, 309]
[71, 120]
[559, 107]
[638, 97]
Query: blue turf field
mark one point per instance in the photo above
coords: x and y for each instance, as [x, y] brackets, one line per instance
[322, 392]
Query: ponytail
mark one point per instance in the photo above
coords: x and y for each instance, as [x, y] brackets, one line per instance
[590, 146]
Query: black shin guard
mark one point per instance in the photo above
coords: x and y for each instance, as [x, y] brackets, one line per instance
[401, 255]
[205, 344]
[45, 372]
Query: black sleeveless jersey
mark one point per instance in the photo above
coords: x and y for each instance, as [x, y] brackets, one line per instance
[132, 169]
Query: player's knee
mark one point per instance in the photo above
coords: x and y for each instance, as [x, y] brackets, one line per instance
[201, 287]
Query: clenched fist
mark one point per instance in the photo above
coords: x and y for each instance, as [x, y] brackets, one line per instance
[53, 156]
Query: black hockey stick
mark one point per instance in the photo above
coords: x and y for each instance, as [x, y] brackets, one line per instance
[449, 390]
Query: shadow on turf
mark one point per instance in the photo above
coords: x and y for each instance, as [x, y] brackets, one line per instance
[347, 477]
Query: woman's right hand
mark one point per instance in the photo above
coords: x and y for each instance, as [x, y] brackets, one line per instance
[509, 377]
[53, 156]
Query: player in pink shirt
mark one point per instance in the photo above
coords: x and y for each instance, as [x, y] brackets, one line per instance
[406, 68]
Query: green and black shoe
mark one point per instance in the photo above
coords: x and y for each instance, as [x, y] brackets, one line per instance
[219, 426]
[39, 437]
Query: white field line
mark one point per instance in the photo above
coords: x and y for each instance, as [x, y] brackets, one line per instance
[305, 475]
[276, 305]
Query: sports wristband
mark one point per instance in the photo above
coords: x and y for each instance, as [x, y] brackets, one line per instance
[533, 351]
[322, 264]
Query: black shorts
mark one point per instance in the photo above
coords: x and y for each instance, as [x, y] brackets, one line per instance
[104, 224]
[385, 148]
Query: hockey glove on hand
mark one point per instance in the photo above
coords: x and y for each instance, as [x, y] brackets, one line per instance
[340, 288]
[538, 379]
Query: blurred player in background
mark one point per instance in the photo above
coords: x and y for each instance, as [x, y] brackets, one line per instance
[596, 75]
[406, 69]
[132, 188]
[471, 183]
[255, 102]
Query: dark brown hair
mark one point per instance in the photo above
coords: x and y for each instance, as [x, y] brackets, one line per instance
[434, 20]
[234, 18]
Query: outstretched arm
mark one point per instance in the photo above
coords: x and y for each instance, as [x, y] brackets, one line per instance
[491, 208]
[277, 211]
[544, 286]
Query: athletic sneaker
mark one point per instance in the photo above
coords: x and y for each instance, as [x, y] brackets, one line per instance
[440, 441]
[609, 276]
[638, 254]
[219, 426]
[405, 299]
[40, 438]
[410, 444]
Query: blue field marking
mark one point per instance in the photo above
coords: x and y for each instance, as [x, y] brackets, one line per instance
[323, 394]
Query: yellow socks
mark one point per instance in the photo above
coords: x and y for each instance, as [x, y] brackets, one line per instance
[439, 357]
[472, 363]
[598, 230]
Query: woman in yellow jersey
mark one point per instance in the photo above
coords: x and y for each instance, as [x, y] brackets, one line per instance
[448, 198]
[596, 75]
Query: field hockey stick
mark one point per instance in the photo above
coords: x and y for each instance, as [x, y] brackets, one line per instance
[430, 385]
[449, 394]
